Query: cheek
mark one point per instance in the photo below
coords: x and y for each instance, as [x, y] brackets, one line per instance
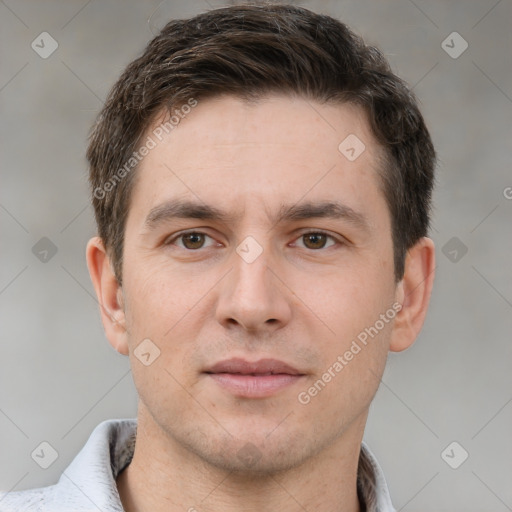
[354, 351]
[351, 299]
[162, 306]
[159, 324]
[159, 296]
[346, 384]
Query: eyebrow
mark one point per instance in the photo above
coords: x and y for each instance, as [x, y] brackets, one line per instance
[187, 209]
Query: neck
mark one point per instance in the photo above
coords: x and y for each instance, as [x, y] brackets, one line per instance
[164, 475]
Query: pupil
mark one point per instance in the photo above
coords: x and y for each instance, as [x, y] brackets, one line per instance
[195, 240]
[317, 237]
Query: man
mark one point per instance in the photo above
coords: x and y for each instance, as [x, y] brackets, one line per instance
[261, 183]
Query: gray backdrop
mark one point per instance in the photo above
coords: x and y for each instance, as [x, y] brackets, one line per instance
[59, 377]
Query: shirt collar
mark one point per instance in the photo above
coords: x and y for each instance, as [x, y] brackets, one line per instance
[89, 483]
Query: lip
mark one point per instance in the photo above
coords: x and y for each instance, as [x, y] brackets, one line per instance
[258, 379]
[262, 366]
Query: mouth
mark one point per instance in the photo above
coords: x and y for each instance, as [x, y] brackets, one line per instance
[258, 379]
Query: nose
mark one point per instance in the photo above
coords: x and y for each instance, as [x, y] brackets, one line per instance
[253, 296]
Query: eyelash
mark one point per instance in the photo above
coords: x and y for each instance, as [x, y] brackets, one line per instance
[312, 232]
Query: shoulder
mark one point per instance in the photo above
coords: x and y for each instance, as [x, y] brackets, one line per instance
[88, 483]
[31, 500]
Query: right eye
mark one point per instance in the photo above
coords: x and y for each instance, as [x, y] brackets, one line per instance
[190, 240]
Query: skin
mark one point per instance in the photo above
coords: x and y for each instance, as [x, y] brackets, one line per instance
[298, 302]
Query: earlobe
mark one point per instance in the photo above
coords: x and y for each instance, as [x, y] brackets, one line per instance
[413, 292]
[109, 294]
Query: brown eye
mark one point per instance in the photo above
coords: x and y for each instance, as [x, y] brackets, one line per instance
[193, 240]
[315, 240]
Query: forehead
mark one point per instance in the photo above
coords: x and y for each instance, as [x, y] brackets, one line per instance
[278, 149]
[277, 119]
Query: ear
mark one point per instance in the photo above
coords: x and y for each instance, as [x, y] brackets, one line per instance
[109, 293]
[413, 292]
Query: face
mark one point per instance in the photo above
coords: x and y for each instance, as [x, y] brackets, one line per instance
[252, 237]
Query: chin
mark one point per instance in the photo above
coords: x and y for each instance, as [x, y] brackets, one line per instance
[252, 460]
[254, 452]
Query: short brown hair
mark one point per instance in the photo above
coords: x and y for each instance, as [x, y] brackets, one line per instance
[250, 51]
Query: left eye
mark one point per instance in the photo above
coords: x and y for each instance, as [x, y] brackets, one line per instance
[192, 240]
[316, 240]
